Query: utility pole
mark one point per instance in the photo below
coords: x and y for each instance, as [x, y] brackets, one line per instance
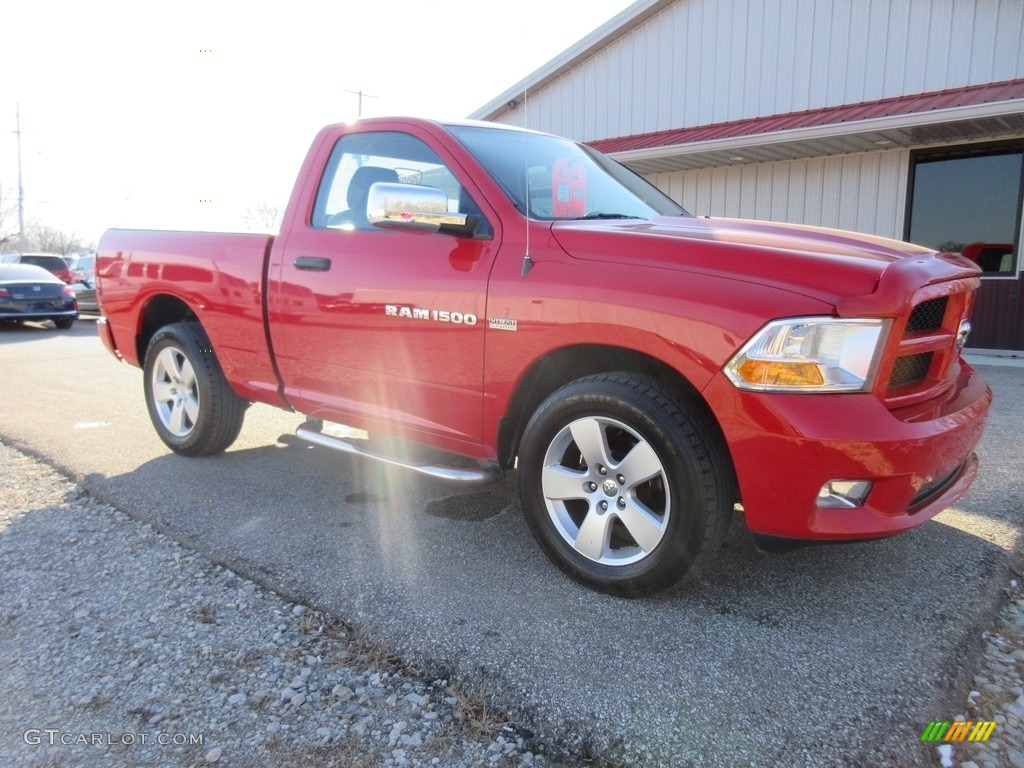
[360, 94]
[21, 187]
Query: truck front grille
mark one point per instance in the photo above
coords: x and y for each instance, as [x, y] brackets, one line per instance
[928, 315]
[909, 370]
[922, 359]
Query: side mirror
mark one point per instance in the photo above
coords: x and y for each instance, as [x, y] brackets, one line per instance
[412, 206]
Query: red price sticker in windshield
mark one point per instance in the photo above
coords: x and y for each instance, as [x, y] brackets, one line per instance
[568, 189]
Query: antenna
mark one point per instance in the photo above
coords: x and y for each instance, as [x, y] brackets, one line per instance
[527, 261]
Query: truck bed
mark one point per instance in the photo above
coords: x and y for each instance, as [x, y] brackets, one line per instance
[218, 275]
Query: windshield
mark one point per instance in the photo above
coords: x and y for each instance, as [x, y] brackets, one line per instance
[551, 178]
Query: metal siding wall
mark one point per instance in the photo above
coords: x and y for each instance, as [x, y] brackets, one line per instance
[863, 193]
[709, 61]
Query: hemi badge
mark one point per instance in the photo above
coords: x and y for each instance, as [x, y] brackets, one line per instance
[502, 324]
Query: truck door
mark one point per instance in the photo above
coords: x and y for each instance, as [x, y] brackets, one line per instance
[382, 327]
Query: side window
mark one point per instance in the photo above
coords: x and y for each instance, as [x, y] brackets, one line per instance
[362, 159]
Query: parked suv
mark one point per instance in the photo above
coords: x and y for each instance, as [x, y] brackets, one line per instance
[48, 261]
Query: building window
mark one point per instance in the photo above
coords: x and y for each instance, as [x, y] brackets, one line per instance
[969, 201]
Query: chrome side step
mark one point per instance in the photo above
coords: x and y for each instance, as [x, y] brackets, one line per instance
[457, 474]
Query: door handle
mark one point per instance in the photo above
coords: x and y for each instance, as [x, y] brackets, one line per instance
[312, 263]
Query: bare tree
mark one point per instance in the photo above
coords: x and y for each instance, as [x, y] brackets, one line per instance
[263, 217]
[53, 240]
[36, 237]
[8, 240]
[8, 225]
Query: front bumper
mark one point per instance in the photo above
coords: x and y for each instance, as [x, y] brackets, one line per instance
[785, 447]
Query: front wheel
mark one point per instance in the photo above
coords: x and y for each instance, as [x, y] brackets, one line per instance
[626, 488]
[194, 410]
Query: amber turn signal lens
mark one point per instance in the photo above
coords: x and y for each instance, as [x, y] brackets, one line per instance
[781, 373]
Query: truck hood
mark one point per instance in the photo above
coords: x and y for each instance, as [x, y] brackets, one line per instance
[825, 264]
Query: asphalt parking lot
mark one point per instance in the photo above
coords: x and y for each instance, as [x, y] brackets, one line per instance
[834, 655]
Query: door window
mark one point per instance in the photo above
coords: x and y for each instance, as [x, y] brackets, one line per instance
[360, 160]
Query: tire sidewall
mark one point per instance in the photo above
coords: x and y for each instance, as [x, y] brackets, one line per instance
[680, 549]
[180, 337]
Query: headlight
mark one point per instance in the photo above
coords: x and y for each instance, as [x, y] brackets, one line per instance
[808, 354]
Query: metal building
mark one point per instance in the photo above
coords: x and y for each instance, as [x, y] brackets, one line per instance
[902, 118]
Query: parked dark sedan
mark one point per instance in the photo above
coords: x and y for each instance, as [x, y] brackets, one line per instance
[28, 292]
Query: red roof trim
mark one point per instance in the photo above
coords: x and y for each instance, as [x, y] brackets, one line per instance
[971, 95]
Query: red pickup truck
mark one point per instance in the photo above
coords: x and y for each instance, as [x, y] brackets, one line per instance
[516, 300]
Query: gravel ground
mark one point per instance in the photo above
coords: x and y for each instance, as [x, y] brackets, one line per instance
[119, 646]
[999, 693]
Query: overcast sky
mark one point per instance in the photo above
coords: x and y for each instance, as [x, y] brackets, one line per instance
[134, 112]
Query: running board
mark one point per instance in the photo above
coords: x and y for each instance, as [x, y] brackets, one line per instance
[457, 474]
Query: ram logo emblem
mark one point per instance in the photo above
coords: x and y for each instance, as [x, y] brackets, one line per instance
[962, 333]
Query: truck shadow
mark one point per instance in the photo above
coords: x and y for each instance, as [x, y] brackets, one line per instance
[298, 500]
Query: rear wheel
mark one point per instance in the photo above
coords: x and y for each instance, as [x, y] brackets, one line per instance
[626, 489]
[194, 410]
[63, 323]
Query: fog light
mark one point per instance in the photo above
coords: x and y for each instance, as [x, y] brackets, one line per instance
[843, 494]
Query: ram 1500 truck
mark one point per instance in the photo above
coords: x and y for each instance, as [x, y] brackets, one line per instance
[516, 300]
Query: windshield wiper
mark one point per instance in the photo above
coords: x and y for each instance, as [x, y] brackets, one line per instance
[601, 215]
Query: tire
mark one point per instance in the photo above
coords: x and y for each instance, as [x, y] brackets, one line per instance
[63, 323]
[626, 489]
[192, 408]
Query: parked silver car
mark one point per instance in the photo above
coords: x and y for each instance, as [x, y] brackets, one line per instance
[83, 281]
